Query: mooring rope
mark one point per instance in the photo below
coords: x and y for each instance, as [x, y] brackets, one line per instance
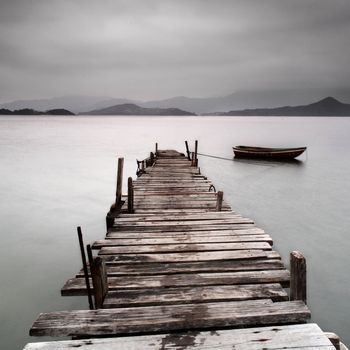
[217, 157]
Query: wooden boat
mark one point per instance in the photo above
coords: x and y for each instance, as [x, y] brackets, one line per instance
[267, 153]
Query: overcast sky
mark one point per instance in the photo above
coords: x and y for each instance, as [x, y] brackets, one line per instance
[157, 49]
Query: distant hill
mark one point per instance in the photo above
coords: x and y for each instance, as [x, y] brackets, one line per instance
[29, 111]
[327, 107]
[132, 109]
[58, 111]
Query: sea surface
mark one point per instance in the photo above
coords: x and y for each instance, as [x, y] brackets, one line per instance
[60, 172]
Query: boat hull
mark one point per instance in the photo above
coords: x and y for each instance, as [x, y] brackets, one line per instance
[267, 153]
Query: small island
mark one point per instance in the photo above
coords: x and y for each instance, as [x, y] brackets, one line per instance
[29, 111]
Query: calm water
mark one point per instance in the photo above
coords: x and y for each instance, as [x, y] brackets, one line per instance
[59, 172]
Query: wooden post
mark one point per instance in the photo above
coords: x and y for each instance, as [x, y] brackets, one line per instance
[188, 151]
[151, 156]
[219, 199]
[130, 196]
[99, 281]
[196, 152]
[143, 166]
[109, 221]
[89, 253]
[156, 148]
[86, 273]
[118, 198]
[193, 160]
[297, 276]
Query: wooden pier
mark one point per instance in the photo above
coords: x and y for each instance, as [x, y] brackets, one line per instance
[179, 269]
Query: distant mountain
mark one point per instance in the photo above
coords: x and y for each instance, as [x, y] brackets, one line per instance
[327, 107]
[29, 111]
[132, 109]
[198, 105]
[247, 99]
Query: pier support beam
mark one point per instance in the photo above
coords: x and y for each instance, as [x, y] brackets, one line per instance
[99, 281]
[118, 197]
[188, 151]
[193, 159]
[219, 199]
[86, 273]
[298, 277]
[130, 196]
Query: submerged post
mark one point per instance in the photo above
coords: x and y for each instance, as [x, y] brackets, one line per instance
[188, 151]
[196, 152]
[86, 273]
[219, 199]
[99, 281]
[298, 277]
[130, 196]
[118, 198]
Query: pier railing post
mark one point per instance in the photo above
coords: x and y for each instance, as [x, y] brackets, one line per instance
[118, 197]
[193, 160]
[219, 199]
[156, 150]
[151, 156]
[130, 196]
[99, 281]
[196, 152]
[86, 273]
[298, 289]
[188, 151]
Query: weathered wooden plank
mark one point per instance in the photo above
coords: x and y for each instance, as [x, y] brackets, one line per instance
[186, 295]
[293, 337]
[185, 228]
[76, 286]
[188, 239]
[168, 317]
[223, 221]
[174, 248]
[188, 256]
[191, 267]
[239, 231]
[184, 205]
[176, 216]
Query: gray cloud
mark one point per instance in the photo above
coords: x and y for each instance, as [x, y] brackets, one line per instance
[155, 49]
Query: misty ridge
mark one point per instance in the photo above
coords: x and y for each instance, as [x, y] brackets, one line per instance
[328, 106]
